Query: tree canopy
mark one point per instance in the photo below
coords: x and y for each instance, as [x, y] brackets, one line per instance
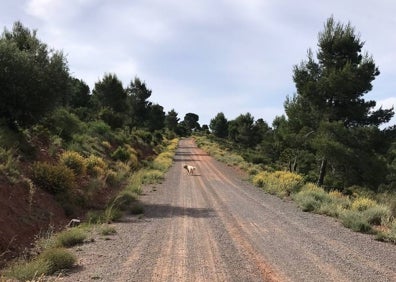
[330, 103]
[33, 78]
[219, 125]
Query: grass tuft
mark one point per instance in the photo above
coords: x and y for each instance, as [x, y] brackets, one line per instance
[47, 263]
[70, 238]
[106, 230]
[355, 221]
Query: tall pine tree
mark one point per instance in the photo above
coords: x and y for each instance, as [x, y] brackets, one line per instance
[329, 100]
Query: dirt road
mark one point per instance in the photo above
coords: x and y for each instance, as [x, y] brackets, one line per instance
[213, 226]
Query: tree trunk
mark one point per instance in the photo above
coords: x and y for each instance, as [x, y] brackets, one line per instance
[294, 167]
[322, 172]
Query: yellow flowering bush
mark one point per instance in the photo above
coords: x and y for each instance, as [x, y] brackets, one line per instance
[260, 178]
[362, 204]
[163, 161]
[336, 194]
[74, 161]
[281, 183]
[96, 166]
[53, 178]
[173, 145]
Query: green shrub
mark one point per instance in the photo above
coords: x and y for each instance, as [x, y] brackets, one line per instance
[84, 143]
[135, 187]
[357, 191]
[97, 171]
[336, 204]
[47, 263]
[311, 197]
[95, 217]
[96, 166]
[57, 259]
[70, 238]
[163, 161]
[124, 199]
[388, 235]
[56, 143]
[106, 230]
[377, 215]
[392, 232]
[112, 213]
[27, 271]
[118, 174]
[152, 176]
[100, 128]
[133, 162]
[64, 123]
[355, 221]
[253, 171]
[121, 154]
[135, 182]
[53, 178]
[111, 177]
[74, 161]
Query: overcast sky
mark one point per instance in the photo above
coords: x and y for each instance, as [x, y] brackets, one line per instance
[206, 56]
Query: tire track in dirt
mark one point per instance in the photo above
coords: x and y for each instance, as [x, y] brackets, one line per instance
[208, 257]
[236, 231]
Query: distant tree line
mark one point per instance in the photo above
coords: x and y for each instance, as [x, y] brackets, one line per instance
[329, 132]
[35, 81]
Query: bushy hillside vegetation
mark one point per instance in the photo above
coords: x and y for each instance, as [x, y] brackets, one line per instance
[357, 207]
[67, 151]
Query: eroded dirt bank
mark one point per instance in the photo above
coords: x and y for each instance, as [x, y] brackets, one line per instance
[213, 226]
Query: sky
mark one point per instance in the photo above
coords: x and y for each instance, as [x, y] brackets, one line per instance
[207, 56]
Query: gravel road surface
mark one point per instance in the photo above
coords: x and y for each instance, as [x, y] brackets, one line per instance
[214, 226]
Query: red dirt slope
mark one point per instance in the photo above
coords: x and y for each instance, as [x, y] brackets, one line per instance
[21, 221]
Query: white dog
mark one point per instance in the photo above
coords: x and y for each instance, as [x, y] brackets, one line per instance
[190, 169]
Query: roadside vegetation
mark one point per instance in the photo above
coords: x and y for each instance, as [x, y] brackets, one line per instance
[357, 208]
[51, 248]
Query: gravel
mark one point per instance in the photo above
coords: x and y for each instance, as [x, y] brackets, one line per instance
[214, 226]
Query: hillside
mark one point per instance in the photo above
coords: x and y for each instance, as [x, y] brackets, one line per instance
[30, 210]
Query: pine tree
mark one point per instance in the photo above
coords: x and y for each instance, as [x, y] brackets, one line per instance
[330, 95]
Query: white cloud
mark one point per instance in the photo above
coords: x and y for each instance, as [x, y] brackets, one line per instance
[55, 10]
[387, 103]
